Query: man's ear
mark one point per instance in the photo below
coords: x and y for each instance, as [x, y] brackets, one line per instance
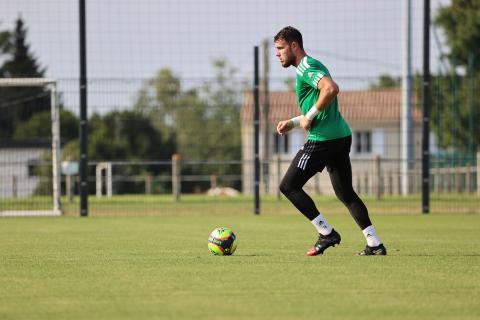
[294, 45]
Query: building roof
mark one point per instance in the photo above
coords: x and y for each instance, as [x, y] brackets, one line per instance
[368, 105]
[25, 144]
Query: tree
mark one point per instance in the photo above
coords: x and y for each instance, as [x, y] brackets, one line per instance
[455, 112]
[123, 135]
[204, 122]
[20, 103]
[158, 98]
[6, 116]
[386, 81]
[222, 100]
[126, 135]
[22, 63]
[39, 126]
[461, 23]
[212, 130]
[455, 101]
[4, 43]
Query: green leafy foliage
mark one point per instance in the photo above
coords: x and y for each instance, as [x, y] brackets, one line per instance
[19, 62]
[455, 112]
[456, 103]
[120, 136]
[204, 122]
[386, 81]
[39, 126]
[460, 21]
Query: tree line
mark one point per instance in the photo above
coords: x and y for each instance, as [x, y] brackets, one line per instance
[201, 123]
[455, 99]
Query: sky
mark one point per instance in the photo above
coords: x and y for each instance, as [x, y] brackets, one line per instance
[129, 41]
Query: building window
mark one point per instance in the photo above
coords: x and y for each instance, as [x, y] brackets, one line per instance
[363, 142]
[280, 144]
[33, 169]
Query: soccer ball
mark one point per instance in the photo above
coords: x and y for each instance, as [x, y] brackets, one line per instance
[222, 242]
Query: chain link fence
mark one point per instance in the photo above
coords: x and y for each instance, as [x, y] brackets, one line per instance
[170, 120]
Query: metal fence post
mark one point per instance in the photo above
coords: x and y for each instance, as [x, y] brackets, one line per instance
[148, 182]
[256, 130]
[368, 182]
[68, 187]
[213, 181]
[377, 177]
[278, 161]
[14, 186]
[98, 180]
[478, 173]
[458, 178]
[468, 178]
[109, 180]
[176, 176]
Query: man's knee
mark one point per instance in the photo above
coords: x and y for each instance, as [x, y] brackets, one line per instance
[286, 187]
[346, 196]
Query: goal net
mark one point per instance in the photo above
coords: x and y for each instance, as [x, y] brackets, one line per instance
[30, 175]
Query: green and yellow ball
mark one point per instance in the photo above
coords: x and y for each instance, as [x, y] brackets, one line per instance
[222, 242]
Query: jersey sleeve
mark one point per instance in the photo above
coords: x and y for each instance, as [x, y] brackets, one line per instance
[314, 73]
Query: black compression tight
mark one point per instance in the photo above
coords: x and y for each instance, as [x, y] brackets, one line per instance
[340, 172]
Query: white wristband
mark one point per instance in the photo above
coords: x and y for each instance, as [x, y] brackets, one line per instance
[296, 121]
[312, 113]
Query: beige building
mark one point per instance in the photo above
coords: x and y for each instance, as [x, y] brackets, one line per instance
[374, 118]
[18, 161]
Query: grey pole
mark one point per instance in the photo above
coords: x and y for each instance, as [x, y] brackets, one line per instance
[406, 115]
[265, 112]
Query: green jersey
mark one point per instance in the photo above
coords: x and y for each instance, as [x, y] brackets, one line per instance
[328, 124]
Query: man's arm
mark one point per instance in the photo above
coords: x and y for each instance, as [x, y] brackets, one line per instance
[328, 91]
[287, 125]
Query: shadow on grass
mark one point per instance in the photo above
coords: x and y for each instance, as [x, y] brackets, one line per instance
[252, 255]
[436, 255]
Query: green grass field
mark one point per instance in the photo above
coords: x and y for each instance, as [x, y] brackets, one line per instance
[154, 205]
[159, 267]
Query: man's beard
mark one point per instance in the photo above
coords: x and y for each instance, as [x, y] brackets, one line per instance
[288, 63]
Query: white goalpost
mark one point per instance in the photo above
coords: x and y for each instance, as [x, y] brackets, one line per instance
[51, 86]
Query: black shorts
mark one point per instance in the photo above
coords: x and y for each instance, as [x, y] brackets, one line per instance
[314, 156]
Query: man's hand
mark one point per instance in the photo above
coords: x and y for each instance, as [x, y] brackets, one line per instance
[305, 123]
[284, 126]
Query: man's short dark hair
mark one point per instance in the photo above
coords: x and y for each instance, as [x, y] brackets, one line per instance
[290, 34]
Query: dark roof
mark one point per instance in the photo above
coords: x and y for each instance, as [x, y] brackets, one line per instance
[25, 143]
[368, 105]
